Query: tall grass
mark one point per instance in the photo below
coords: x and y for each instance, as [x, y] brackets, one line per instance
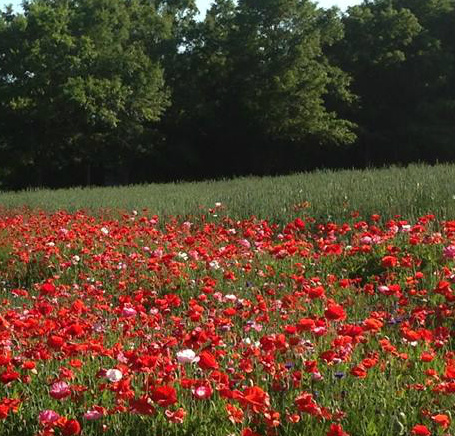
[330, 195]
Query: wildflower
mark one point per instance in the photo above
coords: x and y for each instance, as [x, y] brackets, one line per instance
[7, 405]
[389, 261]
[316, 292]
[71, 427]
[207, 360]
[235, 415]
[230, 297]
[254, 397]
[182, 255]
[366, 240]
[94, 414]
[60, 390]
[442, 420]
[55, 341]
[248, 432]
[305, 403]
[336, 430]
[48, 416]
[164, 395]
[8, 376]
[449, 252]
[420, 430]
[142, 405]
[214, 264]
[245, 243]
[202, 392]
[114, 375]
[372, 324]
[299, 223]
[47, 289]
[128, 311]
[359, 371]
[335, 312]
[176, 417]
[186, 356]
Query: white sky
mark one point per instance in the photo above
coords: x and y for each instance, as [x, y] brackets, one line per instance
[203, 4]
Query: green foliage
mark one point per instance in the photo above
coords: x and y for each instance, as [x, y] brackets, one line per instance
[253, 78]
[402, 58]
[102, 92]
[5, 253]
[280, 70]
[80, 79]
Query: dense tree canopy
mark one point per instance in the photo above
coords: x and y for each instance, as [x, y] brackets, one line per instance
[400, 54]
[103, 91]
[254, 77]
[80, 81]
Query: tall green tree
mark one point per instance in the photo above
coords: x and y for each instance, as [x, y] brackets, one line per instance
[400, 54]
[80, 82]
[253, 77]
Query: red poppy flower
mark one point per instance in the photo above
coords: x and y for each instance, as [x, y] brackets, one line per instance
[3, 411]
[420, 430]
[336, 430]
[254, 397]
[299, 223]
[235, 415]
[248, 432]
[389, 261]
[71, 427]
[305, 403]
[142, 406]
[164, 395]
[359, 371]
[8, 376]
[305, 324]
[317, 292]
[177, 416]
[47, 289]
[442, 420]
[207, 361]
[335, 312]
[55, 341]
[372, 324]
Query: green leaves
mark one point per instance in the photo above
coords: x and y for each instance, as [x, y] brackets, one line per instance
[400, 54]
[100, 99]
[253, 78]
[79, 75]
[273, 86]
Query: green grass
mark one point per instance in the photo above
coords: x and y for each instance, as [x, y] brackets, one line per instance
[333, 195]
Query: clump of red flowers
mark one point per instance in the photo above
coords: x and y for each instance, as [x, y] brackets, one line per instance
[238, 327]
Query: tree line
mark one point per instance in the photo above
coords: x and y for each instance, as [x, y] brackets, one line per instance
[127, 91]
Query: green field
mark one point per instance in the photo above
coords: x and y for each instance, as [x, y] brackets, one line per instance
[331, 195]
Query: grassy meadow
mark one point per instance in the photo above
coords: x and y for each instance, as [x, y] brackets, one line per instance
[326, 195]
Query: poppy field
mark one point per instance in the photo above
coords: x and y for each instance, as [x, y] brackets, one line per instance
[217, 326]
